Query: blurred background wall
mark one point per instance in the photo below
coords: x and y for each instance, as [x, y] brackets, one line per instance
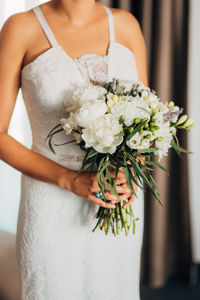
[172, 233]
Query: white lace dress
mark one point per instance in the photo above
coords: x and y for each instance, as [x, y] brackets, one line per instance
[59, 257]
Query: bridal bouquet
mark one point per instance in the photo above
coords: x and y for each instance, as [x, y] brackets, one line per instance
[117, 125]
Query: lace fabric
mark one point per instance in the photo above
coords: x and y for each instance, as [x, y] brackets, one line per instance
[94, 68]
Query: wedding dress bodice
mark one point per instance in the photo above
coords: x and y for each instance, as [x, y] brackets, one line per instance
[47, 80]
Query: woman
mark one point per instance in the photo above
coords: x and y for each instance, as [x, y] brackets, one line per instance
[45, 51]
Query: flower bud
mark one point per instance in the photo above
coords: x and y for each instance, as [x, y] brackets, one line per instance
[173, 130]
[190, 126]
[119, 98]
[152, 124]
[130, 129]
[189, 122]
[137, 120]
[146, 126]
[144, 119]
[63, 121]
[181, 120]
[148, 136]
[152, 129]
[175, 108]
[157, 127]
[159, 139]
[145, 94]
[115, 99]
[155, 110]
[171, 104]
[141, 131]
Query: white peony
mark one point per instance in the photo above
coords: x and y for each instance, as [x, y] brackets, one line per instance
[89, 112]
[76, 97]
[103, 134]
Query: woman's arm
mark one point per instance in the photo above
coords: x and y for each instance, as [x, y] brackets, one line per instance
[14, 39]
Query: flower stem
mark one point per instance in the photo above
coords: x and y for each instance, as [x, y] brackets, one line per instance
[123, 218]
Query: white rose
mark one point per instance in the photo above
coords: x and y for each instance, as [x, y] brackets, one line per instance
[103, 134]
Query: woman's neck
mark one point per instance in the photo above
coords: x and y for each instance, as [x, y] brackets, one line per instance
[77, 11]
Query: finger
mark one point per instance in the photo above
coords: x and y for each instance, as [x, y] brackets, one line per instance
[111, 197]
[101, 202]
[130, 201]
[122, 198]
[123, 189]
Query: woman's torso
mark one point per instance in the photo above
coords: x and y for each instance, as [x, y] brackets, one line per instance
[47, 80]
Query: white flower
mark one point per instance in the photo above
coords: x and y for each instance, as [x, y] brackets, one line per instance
[103, 134]
[78, 137]
[126, 85]
[69, 124]
[172, 130]
[131, 110]
[166, 136]
[159, 120]
[140, 141]
[152, 100]
[89, 112]
[83, 94]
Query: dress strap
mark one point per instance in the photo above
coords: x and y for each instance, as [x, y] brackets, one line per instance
[45, 26]
[111, 23]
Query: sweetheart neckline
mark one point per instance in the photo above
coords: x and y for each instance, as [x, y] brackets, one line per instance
[76, 58]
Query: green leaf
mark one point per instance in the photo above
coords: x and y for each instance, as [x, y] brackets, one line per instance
[109, 186]
[133, 179]
[117, 171]
[65, 143]
[50, 145]
[137, 128]
[179, 149]
[128, 179]
[153, 163]
[111, 180]
[93, 154]
[142, 175]
[57, 131]
[148, 150]
[52, 131]
[85, 158]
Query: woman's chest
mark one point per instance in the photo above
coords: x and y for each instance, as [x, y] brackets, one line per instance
[48, 78]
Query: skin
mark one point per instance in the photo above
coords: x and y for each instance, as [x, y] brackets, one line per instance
[75, 24]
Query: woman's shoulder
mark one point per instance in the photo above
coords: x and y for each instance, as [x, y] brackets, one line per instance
[125, 19]
[19, 25]
[127, 27]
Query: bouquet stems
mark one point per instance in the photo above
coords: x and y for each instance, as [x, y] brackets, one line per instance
[112, 218]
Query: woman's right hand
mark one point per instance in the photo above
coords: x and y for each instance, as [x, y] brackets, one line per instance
[86, 186]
